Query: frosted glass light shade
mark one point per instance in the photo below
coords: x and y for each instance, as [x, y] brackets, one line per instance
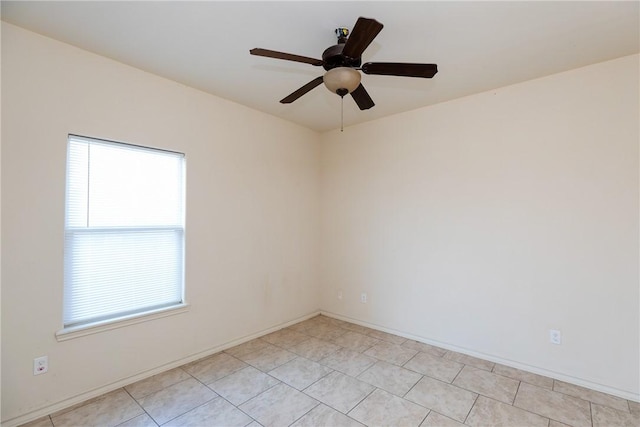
[342, 78]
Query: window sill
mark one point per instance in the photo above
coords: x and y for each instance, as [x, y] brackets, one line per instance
[120, 322]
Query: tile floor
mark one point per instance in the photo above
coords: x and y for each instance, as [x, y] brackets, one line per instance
[326, 372]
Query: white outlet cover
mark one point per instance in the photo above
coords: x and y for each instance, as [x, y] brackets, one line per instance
[40, 365]
[555, 336]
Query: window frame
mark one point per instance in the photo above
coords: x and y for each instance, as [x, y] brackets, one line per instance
[142, 314]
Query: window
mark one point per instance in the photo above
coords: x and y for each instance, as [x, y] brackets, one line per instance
[124, 231]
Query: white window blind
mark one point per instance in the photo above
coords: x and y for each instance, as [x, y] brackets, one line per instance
[124, 230]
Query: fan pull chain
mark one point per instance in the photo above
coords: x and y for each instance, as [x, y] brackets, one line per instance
[342, 114]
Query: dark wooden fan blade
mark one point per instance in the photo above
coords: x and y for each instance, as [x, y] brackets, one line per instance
[362, 35]
[362, 98]
[400, 69]
[286, 56]
[304, 89]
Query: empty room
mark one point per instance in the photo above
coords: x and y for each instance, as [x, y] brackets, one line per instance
[365, 213]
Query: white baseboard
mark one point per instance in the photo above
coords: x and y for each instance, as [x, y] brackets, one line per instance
[82, 397]
[511, 363]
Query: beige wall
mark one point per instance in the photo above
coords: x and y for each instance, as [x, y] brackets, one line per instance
[478, 224]
[251, 228]
[481, 223]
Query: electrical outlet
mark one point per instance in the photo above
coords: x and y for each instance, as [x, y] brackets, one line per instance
[339, 294]
[555, 336]
[363, 298]
[40, 365]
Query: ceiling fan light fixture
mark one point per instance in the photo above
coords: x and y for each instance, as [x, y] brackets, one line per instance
[342, 80]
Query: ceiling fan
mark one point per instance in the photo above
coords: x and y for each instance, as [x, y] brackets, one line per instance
[343, 60]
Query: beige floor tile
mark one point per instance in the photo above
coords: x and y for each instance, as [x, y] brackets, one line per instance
[488, 384]
[556, 406]
[425, 348]
[591, 395]
[315, 349]
[605, 416]
[279, 406]
[292, 328]
[336, 322]
[357, 328]
[391, 353]
[348, 362]
[322, 415]
[143, 420]
[314, 328]
[489, 412]
[214, 367]
[268, 358]
[326, 332]
[300, 373]
[248, 347]
[243, 385]
[217, 412]
[175, 400]
[384, 336]
[520, 375]
[40, 422]
[384, 409]
[434, 366]
[112, 409]
[391, 378]
[435, 419]
[470, 360]
[355, 341]
[156, 382]
[554, 423]
[323, 318]
[441, 397]
[304, 355]
[285, 338]
[86, 402]
[300, 326]
[339, 391]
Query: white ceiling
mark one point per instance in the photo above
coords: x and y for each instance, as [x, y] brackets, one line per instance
[478, 46]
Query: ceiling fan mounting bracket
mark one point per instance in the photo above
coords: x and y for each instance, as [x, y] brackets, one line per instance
[342, 33]
[333, 57]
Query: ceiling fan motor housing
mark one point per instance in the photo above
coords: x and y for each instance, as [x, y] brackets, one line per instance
[333, 57]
